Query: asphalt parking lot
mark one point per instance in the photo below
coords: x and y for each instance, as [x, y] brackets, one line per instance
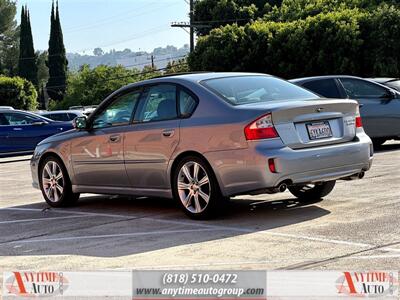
[355, 227]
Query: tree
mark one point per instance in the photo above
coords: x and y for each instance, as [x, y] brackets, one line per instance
[8, 38]
[43, 71]
[43, 104]
[18, 93]
[216, 13]
[179, 66]
[98, 52]
[57, 61]
[90, 86]
[27, 67]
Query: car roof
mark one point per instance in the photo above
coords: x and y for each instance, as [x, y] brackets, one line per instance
[193, 77]
[384, 79]
[304, 79]
[62, 112]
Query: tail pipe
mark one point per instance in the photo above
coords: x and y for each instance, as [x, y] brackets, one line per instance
[355, 176]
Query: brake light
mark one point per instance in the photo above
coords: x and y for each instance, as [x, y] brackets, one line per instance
[358, 119]
[271, 165]
[262, 128]
[358, 122]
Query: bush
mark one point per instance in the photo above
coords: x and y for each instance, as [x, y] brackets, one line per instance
[18, 93]
[326, 43]
[349, 41]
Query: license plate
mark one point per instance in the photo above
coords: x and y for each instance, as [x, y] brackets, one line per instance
[320, 130]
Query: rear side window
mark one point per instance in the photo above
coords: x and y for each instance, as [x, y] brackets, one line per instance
[325, 87]
[16, 119]
[159, 104]
[255, 89]
[187, 103]
[356, 88]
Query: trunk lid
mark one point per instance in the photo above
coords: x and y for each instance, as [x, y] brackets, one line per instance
[312, 123]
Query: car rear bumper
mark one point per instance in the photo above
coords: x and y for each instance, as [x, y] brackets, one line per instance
[246, 170]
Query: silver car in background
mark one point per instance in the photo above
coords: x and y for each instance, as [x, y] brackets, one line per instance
[202, 138]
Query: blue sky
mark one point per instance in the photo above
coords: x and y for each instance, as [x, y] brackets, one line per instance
[110, 24]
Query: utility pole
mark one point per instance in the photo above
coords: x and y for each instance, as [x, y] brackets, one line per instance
[191, 25]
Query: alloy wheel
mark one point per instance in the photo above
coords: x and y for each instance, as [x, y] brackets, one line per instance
[194, 187]
[53, 181]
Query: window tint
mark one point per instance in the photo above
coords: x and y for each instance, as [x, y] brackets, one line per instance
[356, 88]
[159, 103]
[117, 113]
[3, 121]
[58, 117]
[187, 103]
[324, 87]
[394, 84]
[20, 119]
[71, 116]
[253, 89]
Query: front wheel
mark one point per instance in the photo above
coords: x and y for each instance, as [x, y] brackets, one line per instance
[196, 187]
[55, 184]
[311, 192]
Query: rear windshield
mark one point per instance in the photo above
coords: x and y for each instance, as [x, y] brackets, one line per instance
[252, 89]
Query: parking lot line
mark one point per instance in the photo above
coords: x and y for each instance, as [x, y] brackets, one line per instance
[39, 219]
[220, 227]
[108, 236]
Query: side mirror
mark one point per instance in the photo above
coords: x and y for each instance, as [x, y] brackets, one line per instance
[80, 123]
[39, 123]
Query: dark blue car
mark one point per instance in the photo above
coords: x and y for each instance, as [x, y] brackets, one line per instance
[21, 131]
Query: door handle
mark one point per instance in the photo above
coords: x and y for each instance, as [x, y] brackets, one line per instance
[17, 129]
[168, 132]
[115, 138]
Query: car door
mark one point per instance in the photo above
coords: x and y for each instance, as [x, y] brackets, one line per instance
[97, 154]
[26, 130]
[380, 110]
[5, 130]
[152, 140]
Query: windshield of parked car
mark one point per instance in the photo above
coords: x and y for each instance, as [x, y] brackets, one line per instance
[252, 89]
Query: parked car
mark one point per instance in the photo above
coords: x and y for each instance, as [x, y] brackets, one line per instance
[62, 115]
[21, 131]
[393, 83]
[87, 110]
[379, 104]
[202, 138]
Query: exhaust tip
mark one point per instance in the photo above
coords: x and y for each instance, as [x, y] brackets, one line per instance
[282, 187]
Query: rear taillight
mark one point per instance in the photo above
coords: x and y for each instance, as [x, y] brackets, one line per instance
[358, 119]
[358, 122]
[262, 128]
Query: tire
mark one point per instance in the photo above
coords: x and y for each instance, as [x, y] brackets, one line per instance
[312, 192]
[378, 142]
[187, 188]
[55, 183]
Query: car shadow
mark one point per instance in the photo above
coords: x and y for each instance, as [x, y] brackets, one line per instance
[121, 226]
[388, 147]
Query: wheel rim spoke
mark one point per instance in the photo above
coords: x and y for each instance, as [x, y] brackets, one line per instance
[186, 171]
[183, 186]
[47, 168]
[204, 181]
[197, 208]
[195, 171]
[204, 196]
[188, 199]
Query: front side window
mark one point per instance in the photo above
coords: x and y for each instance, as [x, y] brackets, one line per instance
[16, 119]
[159, 104]
[118, 112]
[325, 87]
[255, 89]
[356, 88]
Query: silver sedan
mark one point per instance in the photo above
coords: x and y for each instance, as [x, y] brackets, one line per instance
[202, 138]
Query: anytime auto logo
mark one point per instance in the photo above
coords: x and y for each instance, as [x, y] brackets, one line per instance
[36, 284]
[368, 284]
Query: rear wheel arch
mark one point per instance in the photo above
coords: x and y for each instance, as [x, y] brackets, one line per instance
[191, 153]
